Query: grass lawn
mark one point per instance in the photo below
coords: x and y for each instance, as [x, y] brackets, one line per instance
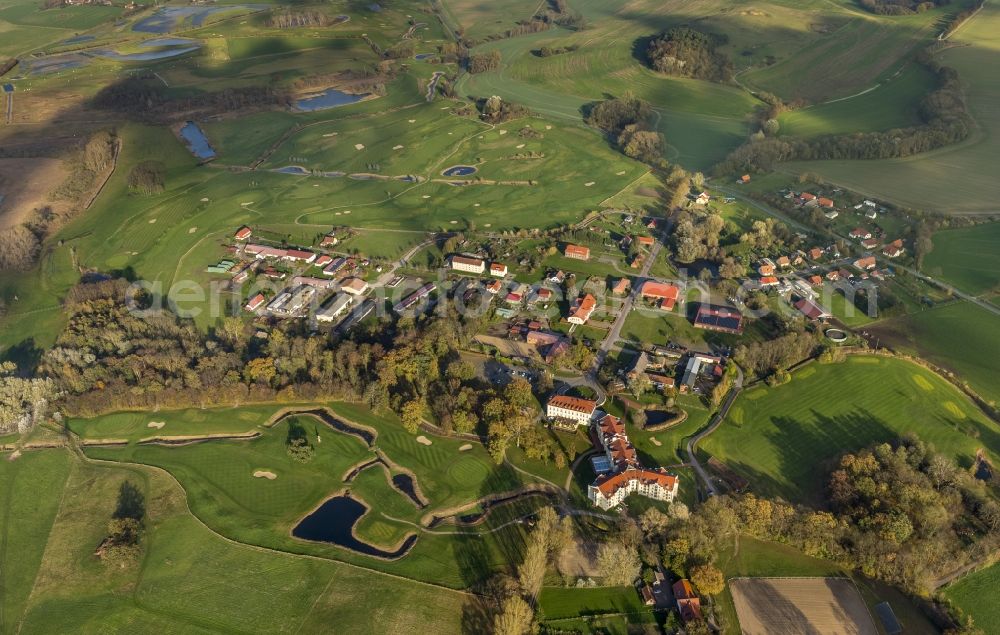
[559, 603]
[960, 336]
[969, 592]
[785, 440]
[968, 258]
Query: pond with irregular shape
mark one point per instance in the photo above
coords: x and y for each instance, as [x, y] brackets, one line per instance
[460, 170]
[334, 521]
[196, 141]
[329, 98]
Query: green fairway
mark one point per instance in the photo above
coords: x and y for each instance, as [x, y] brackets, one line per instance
[223, 493]
[892, 105]
[931, 180]
[961, 337]
[559, 603]
[179, 586]
[968, 594]
[785, 440]
[968, 258]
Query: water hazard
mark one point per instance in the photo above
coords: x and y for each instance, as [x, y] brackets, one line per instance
[333, 522]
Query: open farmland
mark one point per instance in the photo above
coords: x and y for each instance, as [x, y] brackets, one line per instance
[785, 440]
[969, 593]
[968, 258]
[800, 605]
[931, 180]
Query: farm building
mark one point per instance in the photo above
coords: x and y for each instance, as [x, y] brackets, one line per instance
[414, 297]
[255, 302]
[316, 283]
[718, 318]
[354, 286]
[811, 309]
[341, 302]
[577, 252]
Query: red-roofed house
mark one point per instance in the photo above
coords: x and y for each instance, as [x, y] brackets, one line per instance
[825, 202]
[296, 255]
[688, 604]
[768, 281]
[766, 270]
[468, 264]
[811, 309]
[807, 197]
[667, 294]
[570, 408]
[255, 302]
[868, 262]
[323, 261]
[784, 261]
[860, 233]
[621, 287]
[815, 253]
[582, 309]
[494, 286]
[894, 249]
[745, 178]
[644, 241]
[543, 294]
[815, 280]
[577, 252]
[498, 269]
[611, 489]
[243, 233]
[329, 240]
[871, 243]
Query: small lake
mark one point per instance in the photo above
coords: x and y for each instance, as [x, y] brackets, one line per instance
[329, 98]
[167, 19]
[196, 141]
[292, 169]
[334, 521]
[423, 56]
[459, 170]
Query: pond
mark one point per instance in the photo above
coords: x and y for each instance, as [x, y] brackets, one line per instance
[169, 18]
[292, 169]
[336, 424]
[334, 521]
[656, 417]
[459, 170]
[423, 56]
[329, 98]
[196, 141]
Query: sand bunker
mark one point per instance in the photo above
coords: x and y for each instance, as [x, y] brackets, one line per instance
[622, 173]
[156, 425]
[152, 221]
[520, 146]
[465, 448]
[359, 146]
[204, 199]
[265, 474]
[503, 132]
[422, 440]
[655, 441]
[397, 147]
[192, 230]
[588, 183]
[413, 121]
[331, 134]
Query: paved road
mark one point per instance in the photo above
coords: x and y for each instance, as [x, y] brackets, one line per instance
[614, 333]
[719, 417]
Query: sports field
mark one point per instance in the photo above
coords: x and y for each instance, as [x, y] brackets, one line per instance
[960, 336]
[800, 605]
[785, 440]
[954, 179]
[968, 258]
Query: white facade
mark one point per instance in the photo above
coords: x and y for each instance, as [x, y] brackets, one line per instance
[469, 265]
[570, 408]
[632, 482]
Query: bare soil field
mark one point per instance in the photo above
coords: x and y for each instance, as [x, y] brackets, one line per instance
[831, 606]
[25, 185]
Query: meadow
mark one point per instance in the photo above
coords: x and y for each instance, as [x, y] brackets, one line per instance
[960, 337]
[954, 179]
[785, 440]
[968, 594]
[968, 258]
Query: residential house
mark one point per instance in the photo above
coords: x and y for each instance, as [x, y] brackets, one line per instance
[557, 277]
[768, 281]
[329, 240]
[494, 286]
[871, 243]
[815, 280]
[498, 269]
[577, 252]
[860, 233]
[825, 203]
[745, 178]
[815, 253]
[645, 241]
[573, 409]
[323, 260]
[665, 294]
[468, 264]
[621, 286]
[702, 199]
[833, 275]
[354, 286]
[894, 249]
[766, 270]
[832, 214]
[688, 604]
[255, 302]
[582, 309]
[543, 295]
[784, 261]
[871, 214]
[866, 263]
[335, 266]
[243, 233]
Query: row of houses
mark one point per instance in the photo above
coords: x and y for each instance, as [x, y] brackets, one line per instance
[470, 264]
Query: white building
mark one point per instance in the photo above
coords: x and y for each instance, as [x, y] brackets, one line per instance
[610, 490]
[571, 409]
[467, 264]
[341, 302]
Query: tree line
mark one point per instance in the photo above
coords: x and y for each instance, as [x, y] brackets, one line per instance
[900, 7]
[143, 100]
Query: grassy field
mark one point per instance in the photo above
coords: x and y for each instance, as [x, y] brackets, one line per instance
[961, 337]
[933, 179]
[785, 440]
[558, 603]
[892, 105]
[968, 593]
[968, 258]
